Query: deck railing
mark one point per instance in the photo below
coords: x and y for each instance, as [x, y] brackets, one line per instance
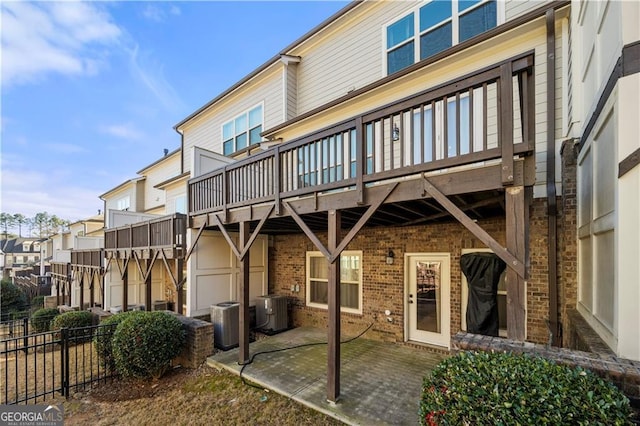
[60, 269]
[89, 257]
[164, 232]
[484, 116]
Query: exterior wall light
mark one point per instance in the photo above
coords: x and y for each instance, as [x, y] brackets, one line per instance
[390, 257]
[395, 133]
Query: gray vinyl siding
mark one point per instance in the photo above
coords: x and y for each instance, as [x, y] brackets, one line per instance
[292, 91]
[349, 58]
[515, 8]
[206, 130]
[169, 168]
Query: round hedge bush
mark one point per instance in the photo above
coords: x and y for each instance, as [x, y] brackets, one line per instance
[37, 302]
[76, 321]
[505, 388]
[42, 318]
[103, 338]
[145, 344]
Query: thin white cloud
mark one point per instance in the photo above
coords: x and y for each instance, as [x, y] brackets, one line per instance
[123, 131]
[65, 148]
[53, 37]
[31, 192]
[157, 13]
[154, 13]
[151, 74]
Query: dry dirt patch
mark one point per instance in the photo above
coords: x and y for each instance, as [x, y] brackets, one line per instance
[187, 397]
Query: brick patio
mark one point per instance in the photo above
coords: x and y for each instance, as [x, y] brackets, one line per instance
[380, 382]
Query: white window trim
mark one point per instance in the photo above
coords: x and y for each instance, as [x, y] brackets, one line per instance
[311, 254]
[233, 119]
[604, 223]
[122, 200]
[500, 19]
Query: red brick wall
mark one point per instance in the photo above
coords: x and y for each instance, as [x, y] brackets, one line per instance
[383, 285]
[568, 239]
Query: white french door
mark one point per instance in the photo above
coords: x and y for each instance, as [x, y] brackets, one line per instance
[427, 298]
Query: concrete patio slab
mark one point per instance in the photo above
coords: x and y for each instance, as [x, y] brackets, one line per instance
[380, 382]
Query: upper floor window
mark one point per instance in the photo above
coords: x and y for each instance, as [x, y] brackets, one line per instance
[124, 203]
[434, 27]
[242, 131]
[181, 204]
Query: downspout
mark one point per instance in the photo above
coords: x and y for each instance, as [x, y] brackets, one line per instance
[552, 247]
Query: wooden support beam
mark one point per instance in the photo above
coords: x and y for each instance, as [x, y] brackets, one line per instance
[180, 280]
[81, 284]
[244, 240]
[376, 203]
[195, 241]
[333, 350]
[503, 253]
[505, 101]
[477, 204]
[307, 231]
[226, 236]
[125, 286]
[361, 158]
[92, 297]
[242, 252]
[517, 222]
[147, 284]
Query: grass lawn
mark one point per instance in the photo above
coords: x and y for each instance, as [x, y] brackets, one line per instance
[187, 397]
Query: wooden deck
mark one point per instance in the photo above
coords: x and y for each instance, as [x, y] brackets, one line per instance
[486, 118]
[167, 234]
[465, 142]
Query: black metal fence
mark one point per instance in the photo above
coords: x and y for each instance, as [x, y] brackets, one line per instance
[42, 365]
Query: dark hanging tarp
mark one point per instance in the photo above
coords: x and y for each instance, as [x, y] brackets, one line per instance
[483, 275]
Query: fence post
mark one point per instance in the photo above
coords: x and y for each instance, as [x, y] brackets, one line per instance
[25, 334]
[64, 356]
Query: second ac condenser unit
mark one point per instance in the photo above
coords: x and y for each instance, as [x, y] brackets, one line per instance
[271, 313]
[225, 320]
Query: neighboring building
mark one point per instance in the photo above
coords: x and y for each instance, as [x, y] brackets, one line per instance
[396, 137]
[19, 253]
[603, 111]
[144, 238]
[75, 284]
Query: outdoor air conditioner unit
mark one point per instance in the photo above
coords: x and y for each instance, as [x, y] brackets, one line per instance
[225, 320]
[271, 313]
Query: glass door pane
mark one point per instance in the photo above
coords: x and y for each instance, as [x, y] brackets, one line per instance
[428, 280]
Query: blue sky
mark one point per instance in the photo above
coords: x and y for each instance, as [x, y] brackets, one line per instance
[91, 90]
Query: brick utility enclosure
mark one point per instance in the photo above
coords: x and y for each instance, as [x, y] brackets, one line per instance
[198, 342]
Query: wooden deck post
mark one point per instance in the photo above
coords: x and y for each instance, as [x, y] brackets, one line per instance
[517, 233]
[243, 236]
[179, 280]
[81, 289]
[333, 351]
[92, 283]
[57, 282]
[147, 284]
[125, 287]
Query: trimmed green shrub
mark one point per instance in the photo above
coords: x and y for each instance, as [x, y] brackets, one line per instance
[505, 388]
[12, 298]
[75, 321]
[42, 318]
[103, 338]
[145, 344]
[37, 302]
